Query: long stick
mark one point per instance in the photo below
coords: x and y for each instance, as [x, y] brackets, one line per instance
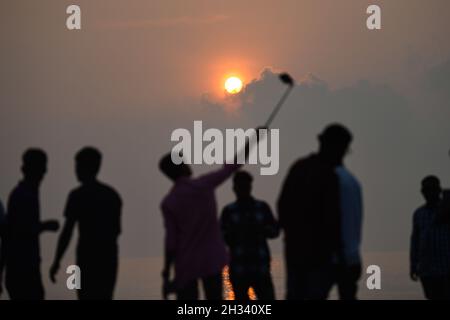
[278, 106]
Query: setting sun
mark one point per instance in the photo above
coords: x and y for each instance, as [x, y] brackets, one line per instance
[233, 85]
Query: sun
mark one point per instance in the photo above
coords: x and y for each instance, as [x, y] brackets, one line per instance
[233, 85]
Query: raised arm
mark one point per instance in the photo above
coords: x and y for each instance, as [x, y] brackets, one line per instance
[216, 178]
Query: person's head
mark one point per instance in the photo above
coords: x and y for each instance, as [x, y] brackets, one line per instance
[34, 165]
[87, 164]
[334, 143]
[242, 184]
[431, 189]
[174, 171]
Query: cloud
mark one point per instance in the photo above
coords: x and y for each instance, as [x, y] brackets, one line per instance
[259, 96]
[267, 80]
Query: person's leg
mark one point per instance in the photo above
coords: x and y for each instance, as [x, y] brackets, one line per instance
[87, 279]
[446, 295]
[263, 287]
[439, 288]
[240, 286]
[188, 292]
[91, 279]
[320, 280]
[25, 284]
[98, 277]
[109, 277]
[296, 282]
[11, 287]
[429, 287]
[213, 287]
[347, 281]
[39, 292]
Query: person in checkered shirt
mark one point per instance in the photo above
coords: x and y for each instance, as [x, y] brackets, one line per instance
[430, 244]
[247, 224]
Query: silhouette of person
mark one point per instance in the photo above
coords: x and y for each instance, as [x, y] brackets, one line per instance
[444, 210]
[2, 218]
[430, 244]
[21, 246]
[349, 263]
[2, 230]
[96, 209]
[246, 224]
[193, 240]
[310, 215]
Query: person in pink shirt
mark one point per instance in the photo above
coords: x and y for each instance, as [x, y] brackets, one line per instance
[193, 241]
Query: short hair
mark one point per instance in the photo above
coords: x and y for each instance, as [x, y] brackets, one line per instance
[170, 169]
[242, 176]
[336, 133]
[34, 157]
[90, 158]
[432, 181]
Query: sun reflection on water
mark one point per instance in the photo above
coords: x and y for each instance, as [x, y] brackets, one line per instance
[228, 288]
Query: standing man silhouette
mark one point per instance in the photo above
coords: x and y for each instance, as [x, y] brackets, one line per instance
[2, 230]
[22, 249]
[247, 223]
[96, 209]
[430, 244]
[319, 202]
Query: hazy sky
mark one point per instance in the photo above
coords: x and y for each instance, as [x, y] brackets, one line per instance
[139, 69]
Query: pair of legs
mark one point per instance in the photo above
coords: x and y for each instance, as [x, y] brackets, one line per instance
[212, 286]
[261, 283]
[436, 288]
[316, 283]
[98, 279]
[24, 283]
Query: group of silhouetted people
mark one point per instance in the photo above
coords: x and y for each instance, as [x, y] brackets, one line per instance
[93, 207]
[319, 211]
